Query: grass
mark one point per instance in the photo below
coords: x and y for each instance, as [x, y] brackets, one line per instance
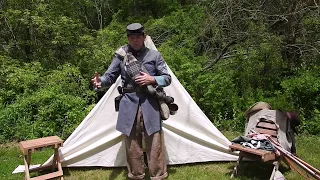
[307, 146]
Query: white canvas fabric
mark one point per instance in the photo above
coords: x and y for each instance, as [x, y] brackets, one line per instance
[189, 135]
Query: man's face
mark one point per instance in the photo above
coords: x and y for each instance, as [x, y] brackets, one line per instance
[136, 41]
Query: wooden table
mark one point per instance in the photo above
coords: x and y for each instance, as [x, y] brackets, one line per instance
[29, 146]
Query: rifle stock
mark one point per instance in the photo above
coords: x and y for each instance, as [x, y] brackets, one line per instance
[290, 157]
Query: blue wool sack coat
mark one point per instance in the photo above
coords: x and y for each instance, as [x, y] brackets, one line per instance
[156, 67]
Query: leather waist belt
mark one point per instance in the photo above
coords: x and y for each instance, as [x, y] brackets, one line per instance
[131, 90]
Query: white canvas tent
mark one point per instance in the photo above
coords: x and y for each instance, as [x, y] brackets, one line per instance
[189, 135]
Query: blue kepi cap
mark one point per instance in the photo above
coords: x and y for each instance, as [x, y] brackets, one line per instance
[135, 28]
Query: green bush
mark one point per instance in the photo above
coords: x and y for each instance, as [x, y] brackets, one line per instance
[55, 106]
[304, 92]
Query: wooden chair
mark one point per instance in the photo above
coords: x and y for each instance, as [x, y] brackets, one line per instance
[262, 127]
[28, 147]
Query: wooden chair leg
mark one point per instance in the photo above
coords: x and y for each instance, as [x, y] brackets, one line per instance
[27, 159]
[236, 167]
[275, 169]
[26, 168]
[54, 161]
[59, 163]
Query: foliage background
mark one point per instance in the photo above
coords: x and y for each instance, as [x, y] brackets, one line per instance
[227, 54]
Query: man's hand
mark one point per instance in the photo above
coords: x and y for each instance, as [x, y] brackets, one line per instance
[144, 79]
[96, 81]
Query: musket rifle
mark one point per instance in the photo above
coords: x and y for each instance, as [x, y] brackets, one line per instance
[293, 161]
